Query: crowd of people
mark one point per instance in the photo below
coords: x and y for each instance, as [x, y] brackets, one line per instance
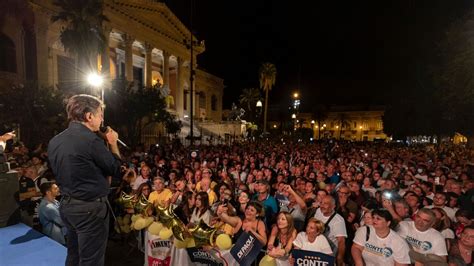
[363, 203]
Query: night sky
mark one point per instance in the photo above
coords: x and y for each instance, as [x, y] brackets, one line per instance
[332, 52]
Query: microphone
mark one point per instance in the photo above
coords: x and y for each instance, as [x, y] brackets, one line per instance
[103, 129]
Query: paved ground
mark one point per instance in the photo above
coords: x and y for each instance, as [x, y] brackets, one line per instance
[122, 253]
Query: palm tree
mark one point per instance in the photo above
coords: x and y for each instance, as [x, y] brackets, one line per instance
[267, 79]
[319, 115]
[82, 35]
[342, 121]
[249, 99]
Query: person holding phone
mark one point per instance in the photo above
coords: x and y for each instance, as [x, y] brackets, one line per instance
[4, 138]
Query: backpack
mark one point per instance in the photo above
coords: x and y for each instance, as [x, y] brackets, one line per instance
[327, 230]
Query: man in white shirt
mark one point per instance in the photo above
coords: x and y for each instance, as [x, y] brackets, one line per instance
[337, 228]
[421, 237]
[440, 200]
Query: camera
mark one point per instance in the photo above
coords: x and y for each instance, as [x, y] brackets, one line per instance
[387, 195]
[225, 202]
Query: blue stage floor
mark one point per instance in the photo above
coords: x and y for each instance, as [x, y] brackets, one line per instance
[21, 245]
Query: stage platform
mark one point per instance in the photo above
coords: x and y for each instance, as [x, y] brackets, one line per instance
[22, 245]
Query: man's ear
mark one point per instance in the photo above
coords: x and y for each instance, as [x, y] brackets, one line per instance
[88, 116]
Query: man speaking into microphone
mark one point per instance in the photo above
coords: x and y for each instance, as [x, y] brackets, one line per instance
[81, 163]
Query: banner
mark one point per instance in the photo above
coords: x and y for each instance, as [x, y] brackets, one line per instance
[198, 255]
[157, 250]
[246, 249]
[305, 257]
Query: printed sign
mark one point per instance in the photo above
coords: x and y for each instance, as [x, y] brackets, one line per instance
[198, 255]
[305, 257]
[246, 249]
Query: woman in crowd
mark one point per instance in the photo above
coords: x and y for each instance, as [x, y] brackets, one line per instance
[252, 222]
[313, 239]
[378, 244]
[462, 250]
[281, 238]
[443, 223]
[144, 189]
[296, 208]
[226, 219]
[127, 181]
[242, 201]
[185, 208]
[202, 210]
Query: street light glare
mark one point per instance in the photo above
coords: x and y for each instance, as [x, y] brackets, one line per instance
[293, 116]
[259, 103]
[295, 95]
[94, 80]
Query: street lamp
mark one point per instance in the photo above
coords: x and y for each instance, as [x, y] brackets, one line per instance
[96, 81]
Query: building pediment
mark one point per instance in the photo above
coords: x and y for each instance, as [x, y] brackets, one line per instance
[151, 18]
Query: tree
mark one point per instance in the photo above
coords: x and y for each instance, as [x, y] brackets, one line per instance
[267, 78]
[83, 35]
[342, 121]
[249, 99]
[319, 115]
[131, 110]
[454, 79]
[37, 112]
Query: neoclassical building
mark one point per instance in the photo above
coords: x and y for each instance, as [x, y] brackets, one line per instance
[147, 44]
[356, 123]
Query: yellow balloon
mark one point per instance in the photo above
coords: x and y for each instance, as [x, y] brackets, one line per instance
[148, 221]
[155, 228]
[139, 224]
[165, 233]
[135, 217]
[191, 243]
[267, 261]
[126, 219]
[181, 244]
[224, 241]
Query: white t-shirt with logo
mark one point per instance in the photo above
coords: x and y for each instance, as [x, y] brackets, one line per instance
[337, 226]
[320, 244]
[427, 242]
[382, 251]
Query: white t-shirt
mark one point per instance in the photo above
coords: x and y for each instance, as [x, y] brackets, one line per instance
[138, 181]
[427, 242]
[448, 233]
[336, 225]
[382, 251]
[320, 244]
[449, 211]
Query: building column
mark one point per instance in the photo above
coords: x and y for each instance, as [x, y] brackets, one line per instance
[128, 41]
[166, 69]
[179, 88]
[148, 65]
[42, 50]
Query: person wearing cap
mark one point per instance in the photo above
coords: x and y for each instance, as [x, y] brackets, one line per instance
[377, 244]
[422, 238]
[262, 187]
[161, 196]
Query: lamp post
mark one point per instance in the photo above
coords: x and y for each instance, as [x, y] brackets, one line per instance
[96, 82]
[258, 105]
